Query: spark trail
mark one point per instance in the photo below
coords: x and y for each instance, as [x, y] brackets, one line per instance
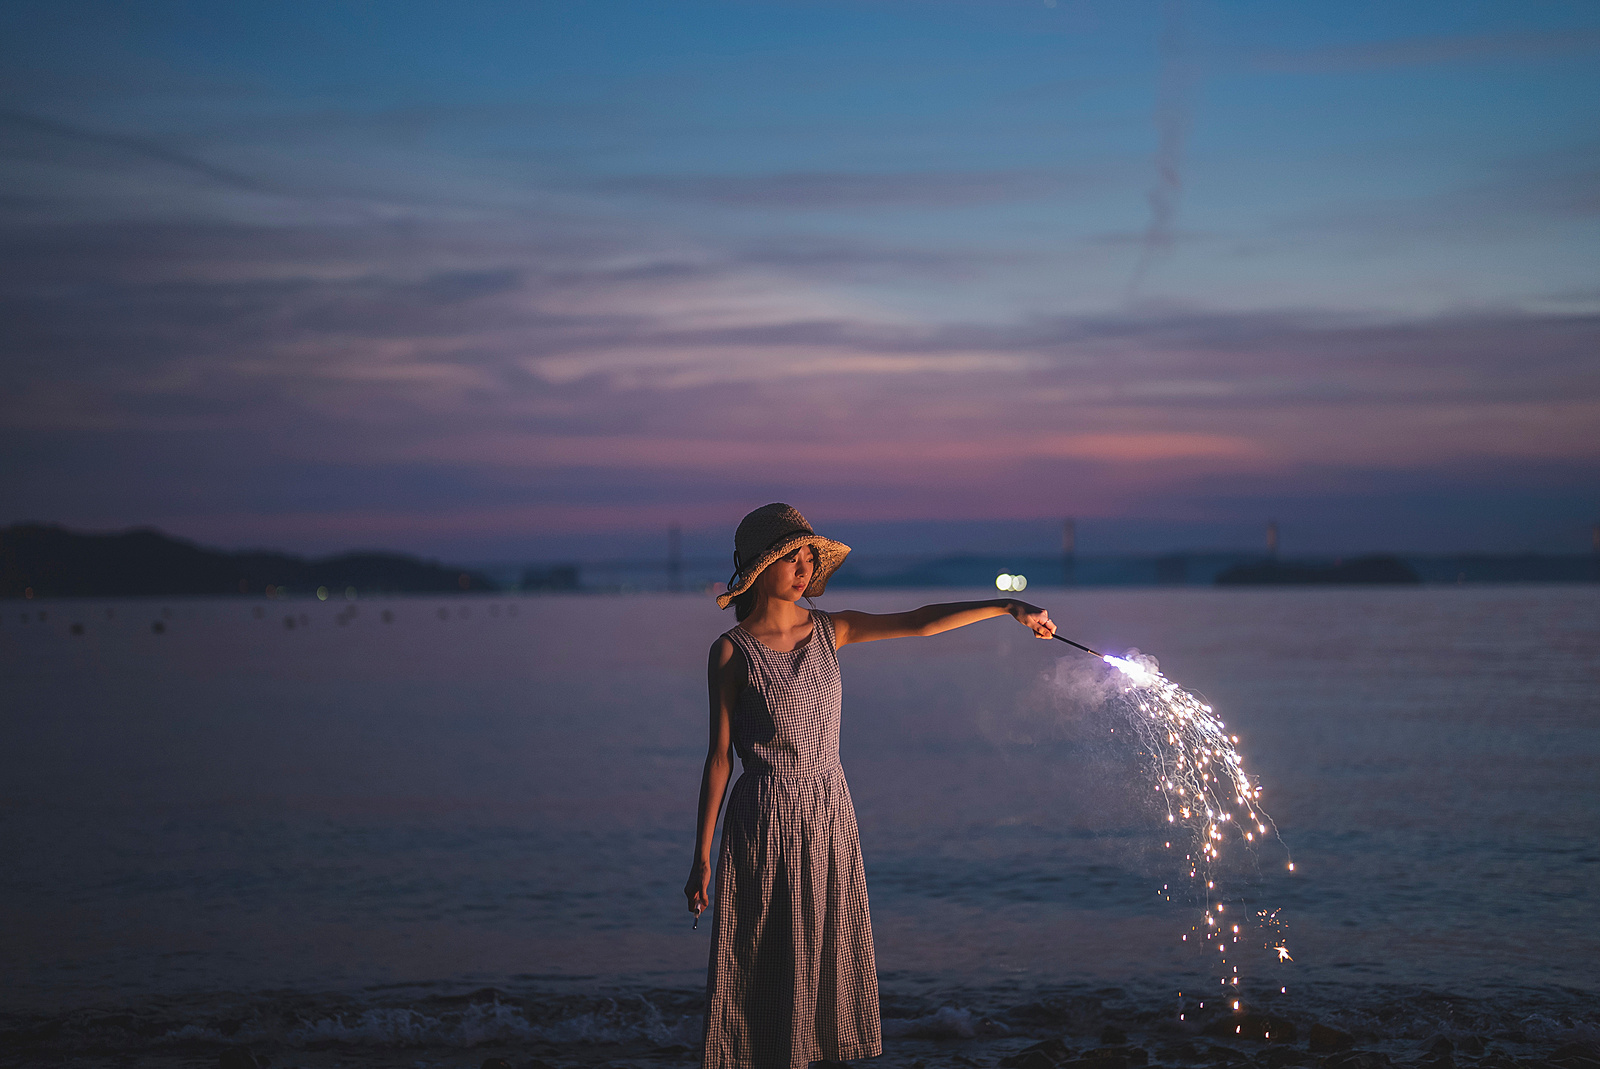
[1200, 775]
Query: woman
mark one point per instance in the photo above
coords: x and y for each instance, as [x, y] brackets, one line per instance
[792, 979]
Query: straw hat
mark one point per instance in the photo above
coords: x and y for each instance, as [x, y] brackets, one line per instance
[774, 531]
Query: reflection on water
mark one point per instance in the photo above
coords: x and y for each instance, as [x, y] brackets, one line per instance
[324, 796]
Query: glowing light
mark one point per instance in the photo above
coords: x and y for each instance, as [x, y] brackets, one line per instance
[322, 593]
[1191, 757]
[1007, 581]
[1283, 953]
[1132, 669]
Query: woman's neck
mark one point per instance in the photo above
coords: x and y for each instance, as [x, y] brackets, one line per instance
[777, 617]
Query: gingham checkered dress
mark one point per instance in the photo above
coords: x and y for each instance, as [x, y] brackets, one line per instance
[792, 978]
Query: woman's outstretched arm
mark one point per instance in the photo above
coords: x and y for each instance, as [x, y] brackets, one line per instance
[725, 678]
[851, 626]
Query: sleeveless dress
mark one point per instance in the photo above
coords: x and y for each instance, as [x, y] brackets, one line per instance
[792, 978]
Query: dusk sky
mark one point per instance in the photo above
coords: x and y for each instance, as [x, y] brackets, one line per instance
[534, 280]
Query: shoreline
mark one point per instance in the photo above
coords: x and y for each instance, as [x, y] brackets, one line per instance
[1354, 1026]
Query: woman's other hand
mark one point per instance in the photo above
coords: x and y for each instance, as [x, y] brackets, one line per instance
[1034, 618]
[698, 889]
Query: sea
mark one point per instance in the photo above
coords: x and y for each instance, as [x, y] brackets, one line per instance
[428, 830]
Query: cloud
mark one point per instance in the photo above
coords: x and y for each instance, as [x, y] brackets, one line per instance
[1428, 51]
[834, 258]
[650, 453]
[187, 324]
[452, 296]
[1519, 198]
[819, 190]
[388, 382]
[1173, 117]
[37, 137]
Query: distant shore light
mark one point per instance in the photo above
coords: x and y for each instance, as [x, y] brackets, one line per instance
[1007, 581]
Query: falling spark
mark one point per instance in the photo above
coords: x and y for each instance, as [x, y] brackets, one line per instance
[1193, 757]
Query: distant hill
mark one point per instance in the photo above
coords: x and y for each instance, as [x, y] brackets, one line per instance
[1374, 569]
[38, 560]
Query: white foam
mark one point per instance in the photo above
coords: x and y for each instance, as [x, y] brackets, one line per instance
[1549, 1030]
[491, 1022]
[947, 1022]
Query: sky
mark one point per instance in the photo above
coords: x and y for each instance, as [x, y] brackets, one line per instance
[536, 280]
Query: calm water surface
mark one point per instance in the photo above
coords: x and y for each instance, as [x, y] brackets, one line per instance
[501, 791]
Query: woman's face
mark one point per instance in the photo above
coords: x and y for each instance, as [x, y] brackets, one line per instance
[787, 577]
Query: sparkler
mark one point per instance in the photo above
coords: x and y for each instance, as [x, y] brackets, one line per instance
[1201, 777]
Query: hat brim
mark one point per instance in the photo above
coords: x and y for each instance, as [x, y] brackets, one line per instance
[830, 555]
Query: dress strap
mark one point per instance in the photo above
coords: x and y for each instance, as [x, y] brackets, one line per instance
[755, 668]
[824, 623]
[743, 642]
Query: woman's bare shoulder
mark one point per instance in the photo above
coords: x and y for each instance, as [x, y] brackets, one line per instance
[726, 660]
[723, 650]
[844, 619]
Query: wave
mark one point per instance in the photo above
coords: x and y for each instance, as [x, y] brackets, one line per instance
[632, 1020]
[574, 1028]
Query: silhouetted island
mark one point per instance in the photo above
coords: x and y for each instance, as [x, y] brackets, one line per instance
[1378, 568]
[48, 561]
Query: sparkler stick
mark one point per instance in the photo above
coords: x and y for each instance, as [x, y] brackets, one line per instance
[1081, 646]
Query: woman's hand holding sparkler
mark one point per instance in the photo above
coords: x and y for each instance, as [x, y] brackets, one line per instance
[698, 889]
[1033, 617]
